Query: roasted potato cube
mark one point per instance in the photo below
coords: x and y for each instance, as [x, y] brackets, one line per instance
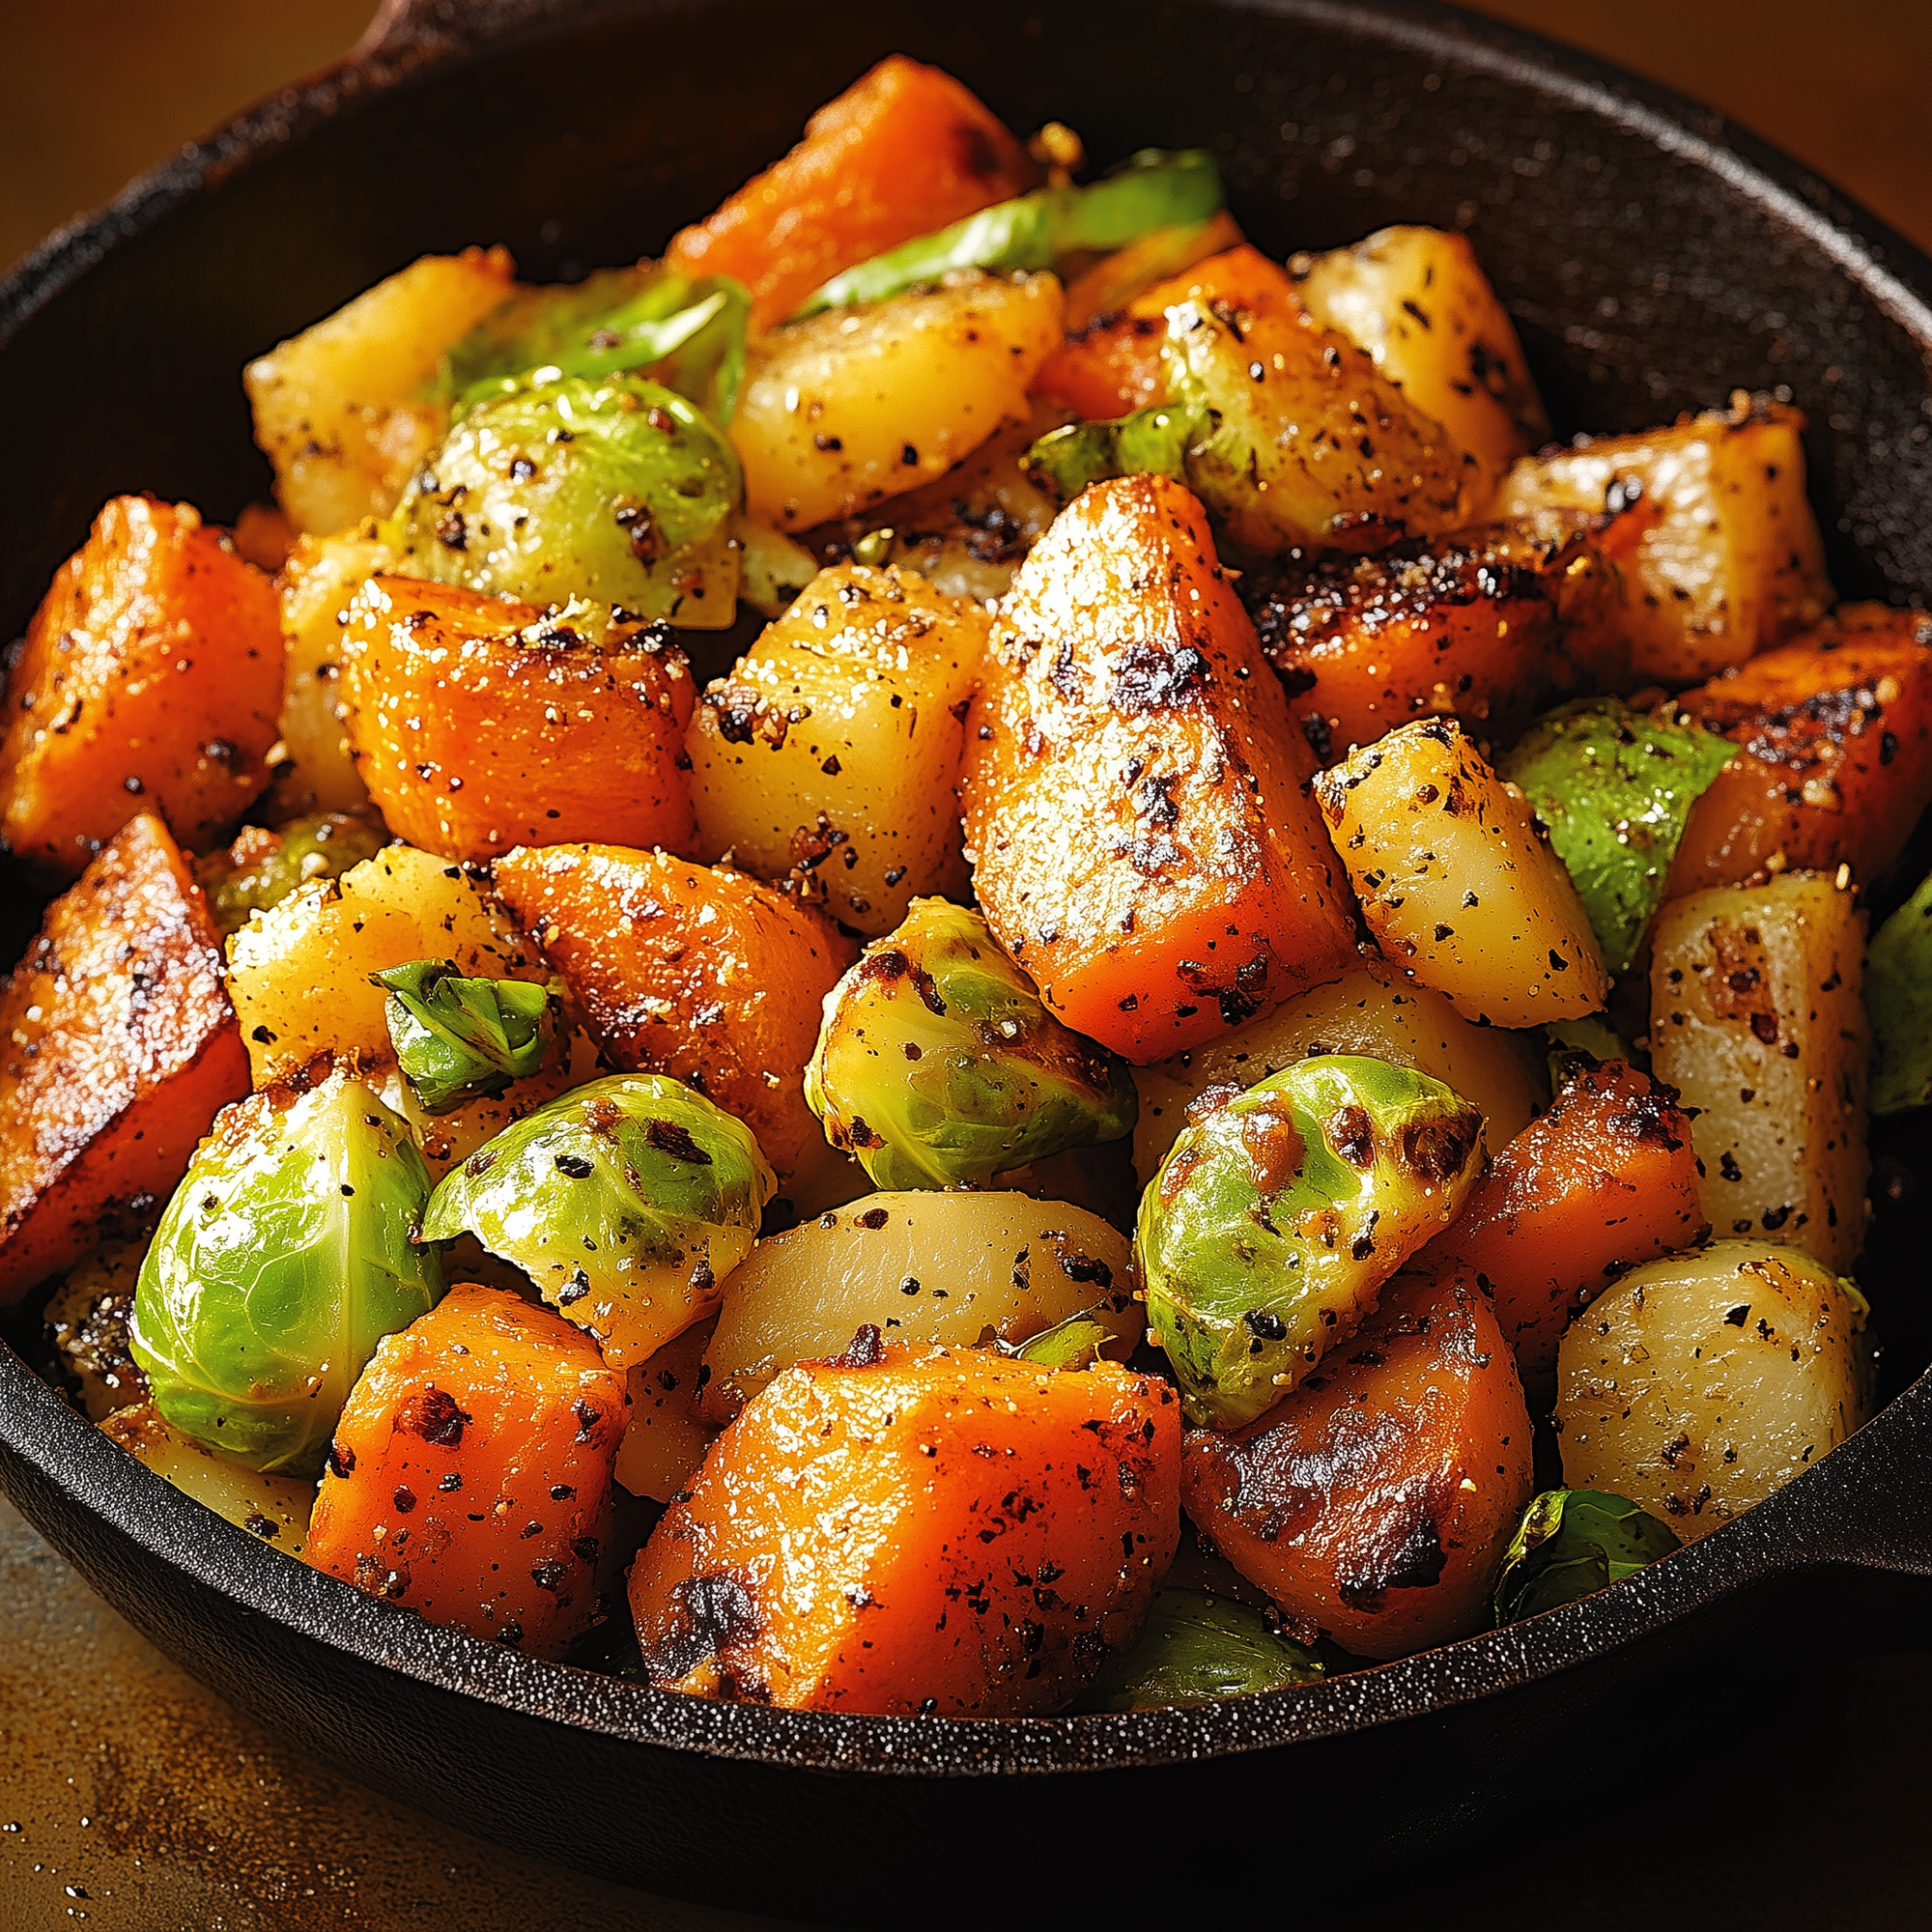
[87, 1319]
[337, 408]
[149, 682]
[317, 585]
[665, 1435]
[120, 1048]
[833, 748]
[275, 1508]
[1756, 1017]
[1700, 1383]
[1732, 559]
[869, 1536]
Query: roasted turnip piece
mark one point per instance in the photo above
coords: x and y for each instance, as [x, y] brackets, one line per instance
[1131, 701]
[961, 1535]
[1376, 1501]
[120, 1047]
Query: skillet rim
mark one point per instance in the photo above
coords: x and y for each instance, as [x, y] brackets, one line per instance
[1800, 1528]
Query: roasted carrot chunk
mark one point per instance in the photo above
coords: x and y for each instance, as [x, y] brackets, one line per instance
[967, 1534]
[1604, 1180]
[1378, 1499]
[150, 681]
[1144, 842]
[1835, 758]
[903, 151]
[471, 1468]
[118, 1047]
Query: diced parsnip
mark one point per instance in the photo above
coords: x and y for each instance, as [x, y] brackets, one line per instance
[1835, 758]
[1608, 1178]
[833, 748]
[1732, 561]
[1458, 886]
[118, 1047]
[664, 1438]
[1378, 1499]
[694, 971]
[275, 1508]
[479, 723]
[1369, 1010]
[1489, 625]
[1700, 1383]
[336, 408]
[930, 1269]
[831, 1553]
[317, 585]
[87, 1323]
[300, 972]
[470, 1469]
[1418, 302]
[1756, 1017]
[1143, 841]
[904, 150]
[857, 405]
[148, 681]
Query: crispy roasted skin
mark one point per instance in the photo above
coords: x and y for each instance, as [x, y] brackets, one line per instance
[1377, 1500]
[695, 971]
[966, 1535]
[1836, 765]
[1136, 803]
[1490, 625]
[150, 681]
[120, 1048]
[478, 724]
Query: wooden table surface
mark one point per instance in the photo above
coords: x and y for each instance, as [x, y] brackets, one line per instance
[130, 1796]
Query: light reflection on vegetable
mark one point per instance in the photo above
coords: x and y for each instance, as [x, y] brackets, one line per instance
[284, 1256]
[627, 1201]
[1573, 1543]
[938, 1063]
[1197, 1649]
[1280, 1212]
[458, 1038]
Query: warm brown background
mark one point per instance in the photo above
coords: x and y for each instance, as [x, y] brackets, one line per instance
[131, 1799]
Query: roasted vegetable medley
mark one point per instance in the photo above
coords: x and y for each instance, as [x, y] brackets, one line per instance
[970, 954]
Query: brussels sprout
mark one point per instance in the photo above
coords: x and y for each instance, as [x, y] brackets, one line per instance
[1151, 189]
[457, 1038]
[1615, 789]
[688, 335]
[627, 1201]
[1571, 1543]
[616, 489]
[1197, 1649]
[1898, 997]
[284, 1256]
[1152, 441]
[1278, 1214]
[1591, 1038]
[1077, 1342]
[937, 1064]
[262, 868]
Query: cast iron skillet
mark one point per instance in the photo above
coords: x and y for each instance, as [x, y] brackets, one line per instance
[1654, 258]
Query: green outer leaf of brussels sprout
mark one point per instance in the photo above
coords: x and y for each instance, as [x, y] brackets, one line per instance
[1197, 1649]
[1615, 789]
[456, 1038]
[282, 1260]
[1259, 1244]
[937, 1063]
[1077, 1342]
[559, 486]
[1573, 1543]
[627, 1174]
[1152, 190]
[1898, 997]
[1152, 442]
[323, 846]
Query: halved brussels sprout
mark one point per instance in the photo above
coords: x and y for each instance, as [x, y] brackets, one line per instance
[458, 1038]
[1280, 1212]
[1573, 1543]
[1898, 997]
[616, 490]
[627, 1201]
[1197, 1649]
[1151, 442]
[262, 868]
[937, 1063]
[284, 1256]
[1077, 1342]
